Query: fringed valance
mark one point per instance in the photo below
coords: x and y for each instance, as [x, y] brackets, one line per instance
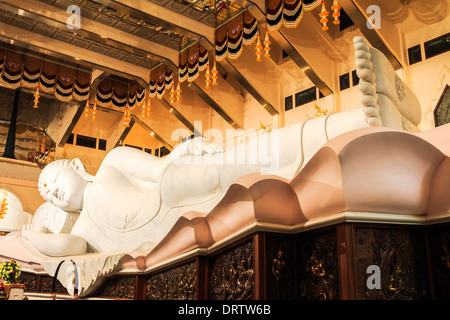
[119, 96]
[192, 61]
[289, 13]
[63, 82]
[193, 55]
[250, 28]
[230, 37]
[285, 12]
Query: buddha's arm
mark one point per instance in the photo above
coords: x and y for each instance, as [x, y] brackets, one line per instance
[143, 166]
[54, 244]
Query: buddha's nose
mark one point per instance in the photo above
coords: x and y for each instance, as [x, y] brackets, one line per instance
[55, 192]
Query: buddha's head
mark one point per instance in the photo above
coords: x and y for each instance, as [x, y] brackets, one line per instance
[63, 182]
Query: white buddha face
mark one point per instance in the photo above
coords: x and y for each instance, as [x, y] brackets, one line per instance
[63, 187]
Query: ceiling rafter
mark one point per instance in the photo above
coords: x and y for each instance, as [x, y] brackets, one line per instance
[375, 38]
[205, 35]
[86, 33]
[258, 9]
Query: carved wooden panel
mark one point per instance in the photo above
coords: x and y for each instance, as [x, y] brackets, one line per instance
[232, 274]
[175, 284]
[317, 266]
[439, 247]
[30, 280]
[400, 254]
[121, 287]
[47, 284]
[280, 268]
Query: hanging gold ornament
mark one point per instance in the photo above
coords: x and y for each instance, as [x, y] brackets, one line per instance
[126, 117]
[208, 78]
[258, 48]
[86, 110]
[178, 91]
[43, 145]
[36, 98]
[172, 96]
[143, 110]
[149, 108]
[94, 111]
[323, 15]
[214, 74]
[267, 44]
[336, 14]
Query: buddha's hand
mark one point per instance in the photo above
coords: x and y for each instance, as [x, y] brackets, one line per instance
[29, 230]
[198, 146]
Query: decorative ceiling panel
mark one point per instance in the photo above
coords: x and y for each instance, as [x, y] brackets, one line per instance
[132, 58]
[22, 22]
[44, 29]
[116, 53]
[176, 6]
[99, 48]
[89, 13]
[106, 19]
[81, 42]
[63, 4]
[64, 36]
[146, 63]
[161, 39]
[144, 32]
[210, 20]
[82, 39]
[160, 2]
[5, 16]
[125, 26]
[194, 14]
[176, 45]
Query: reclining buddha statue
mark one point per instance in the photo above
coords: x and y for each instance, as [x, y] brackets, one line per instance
[135, 199]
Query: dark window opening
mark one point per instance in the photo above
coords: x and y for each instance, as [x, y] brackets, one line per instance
[285, 55]
[188, 138]
[131, 146]
[70, 139]
[355, 78]
[437, 46]
[85, 141]
[148, 150]
[101, 144]
[345, 21]
[321, 95]
[157, 152]
[344, 81]
[288, 103]
[305, 96]
[414, 54]
[164, 151]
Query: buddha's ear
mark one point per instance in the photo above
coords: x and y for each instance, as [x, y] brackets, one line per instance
[77, 164]
[79, 167]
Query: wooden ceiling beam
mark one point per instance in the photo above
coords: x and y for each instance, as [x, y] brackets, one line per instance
[258, 8]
